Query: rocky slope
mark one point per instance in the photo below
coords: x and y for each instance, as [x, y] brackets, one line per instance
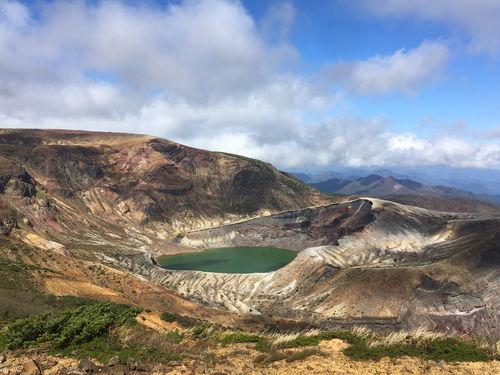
[71, 202]
[367, 262]
[90, 211]
[92, 191]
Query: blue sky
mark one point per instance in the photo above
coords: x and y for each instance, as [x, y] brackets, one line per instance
[298, 83]
[326, 32]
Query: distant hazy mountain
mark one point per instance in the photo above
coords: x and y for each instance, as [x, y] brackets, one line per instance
[476, 180]
[318, 177]
[331, 185]
[378, 186]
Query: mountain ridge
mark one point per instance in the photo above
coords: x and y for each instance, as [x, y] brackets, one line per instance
[378, 186]
[477, 180]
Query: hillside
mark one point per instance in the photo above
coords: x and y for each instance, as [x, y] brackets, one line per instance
[118, 186]
[362, 262]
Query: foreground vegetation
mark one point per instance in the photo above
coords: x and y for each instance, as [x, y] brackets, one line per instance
[366, 345]
[84, 328]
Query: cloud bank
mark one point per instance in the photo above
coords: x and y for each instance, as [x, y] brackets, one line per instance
[205, 73]
[404, 71]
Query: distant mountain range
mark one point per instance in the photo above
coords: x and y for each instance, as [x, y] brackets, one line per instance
[378, 186]
[479, 181]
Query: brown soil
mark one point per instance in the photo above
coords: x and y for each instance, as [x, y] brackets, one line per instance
[239, 359]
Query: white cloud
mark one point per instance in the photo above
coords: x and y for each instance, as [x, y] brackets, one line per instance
[477, 18]
[197, 49]
[13, 13]
[204, 73]
[404, 71]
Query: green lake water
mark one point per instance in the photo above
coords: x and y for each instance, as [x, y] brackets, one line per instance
[230, 260]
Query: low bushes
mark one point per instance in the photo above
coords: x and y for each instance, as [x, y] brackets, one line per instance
[87, 328]
[184, 321]
[367, 345]
[72, 325]
[169, 317]
[237, 337]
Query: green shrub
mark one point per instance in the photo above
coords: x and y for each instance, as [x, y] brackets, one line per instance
[199, 330]
[454, 350]
[174, 336]
[169, 317]
[73, 325]
[301, 341]
[188, 322]
[264, 345]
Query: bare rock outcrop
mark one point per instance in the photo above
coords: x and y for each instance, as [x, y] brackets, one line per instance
[7, 224]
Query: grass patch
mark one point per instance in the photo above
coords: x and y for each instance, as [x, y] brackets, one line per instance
[200, 330]
[366, 345]
[302, 341]
[174, 336]
[184, 321]
[13, 266]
